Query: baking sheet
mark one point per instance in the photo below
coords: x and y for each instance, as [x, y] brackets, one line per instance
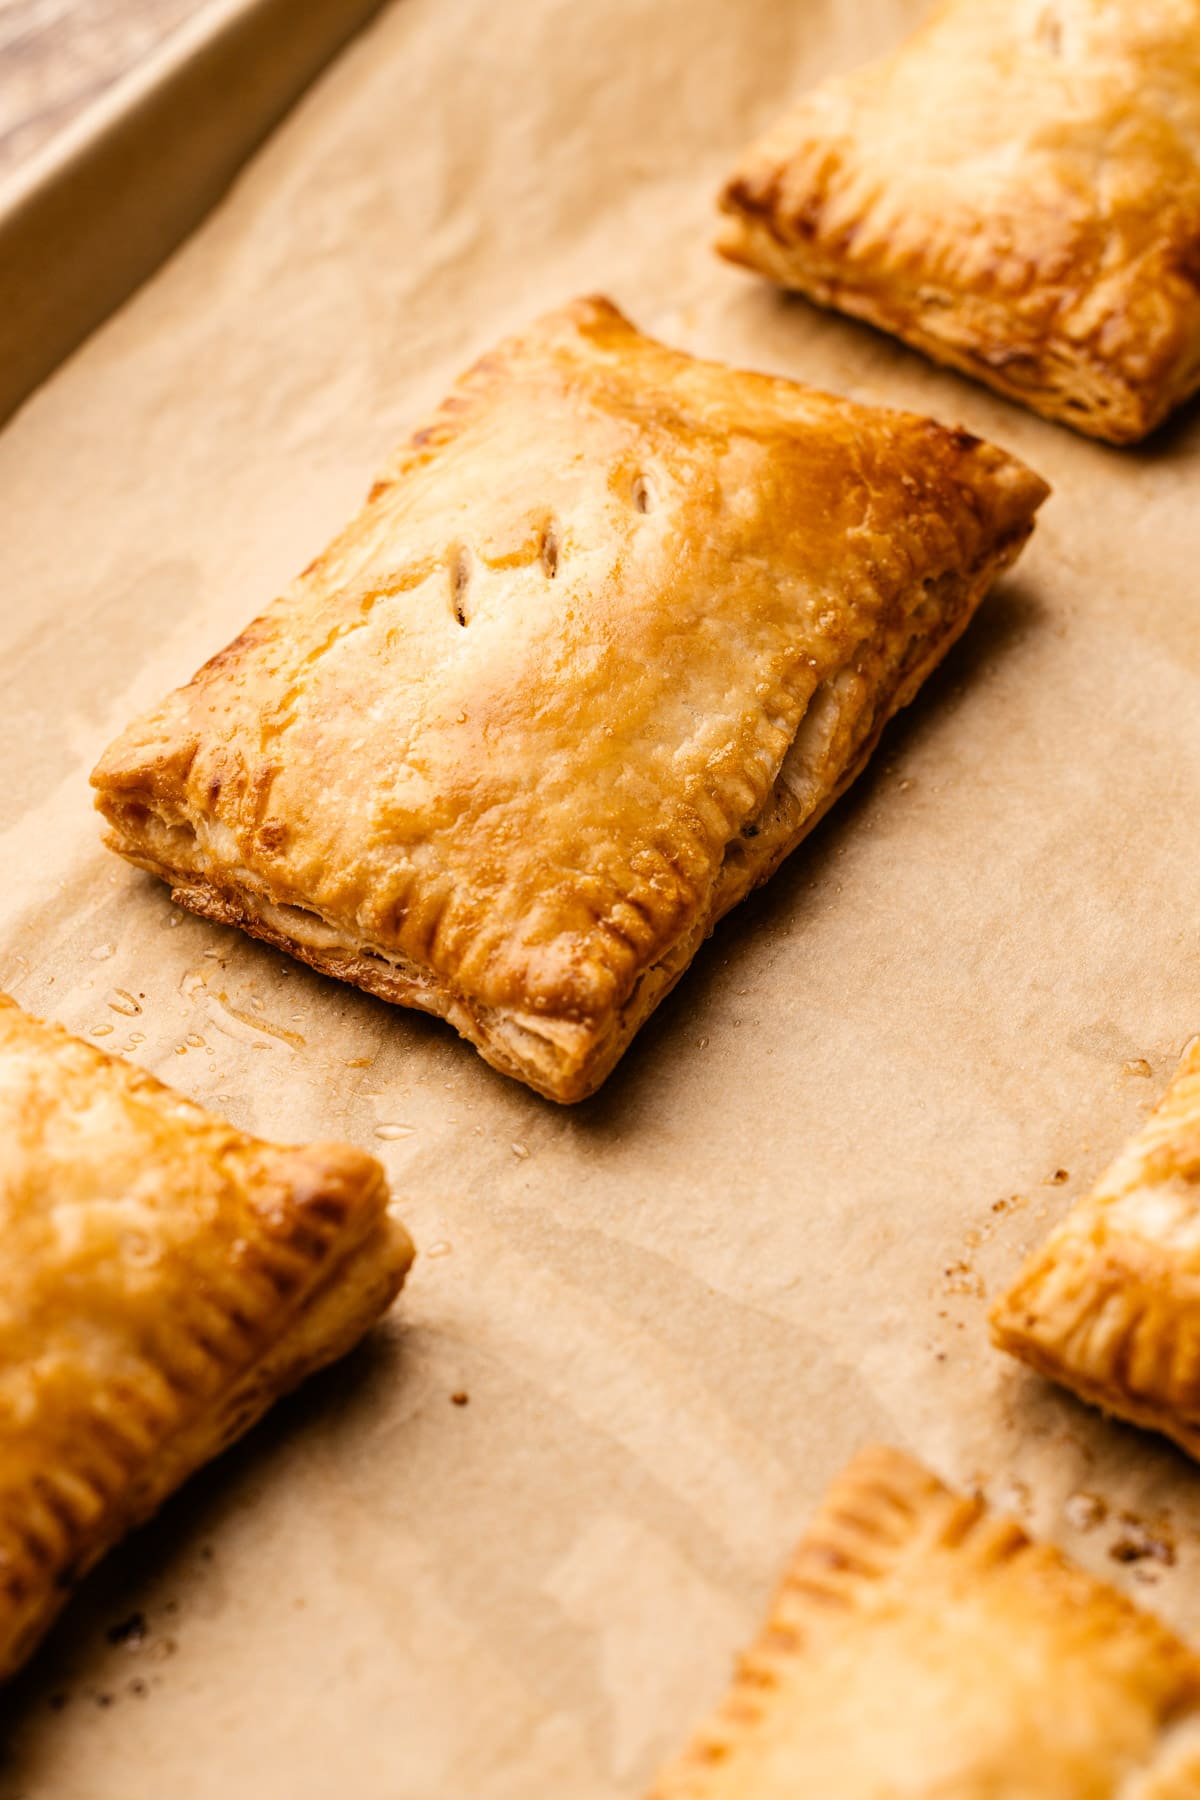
[87, 218]
[675, 1310]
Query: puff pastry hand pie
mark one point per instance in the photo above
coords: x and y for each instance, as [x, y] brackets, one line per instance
[610, 635]
[164, 1279]
[1110, 1304]
[921, 1648]
[1015, 192]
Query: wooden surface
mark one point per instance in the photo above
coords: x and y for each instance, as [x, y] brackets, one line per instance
[57, 56]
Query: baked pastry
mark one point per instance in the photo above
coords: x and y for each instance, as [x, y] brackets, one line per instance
[165, 1278]
[1110, 1304]
[609, 636]
[922, 1648]
[1016, 192]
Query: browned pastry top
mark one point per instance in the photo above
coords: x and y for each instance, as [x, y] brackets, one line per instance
[502, 734]
[164, 1276]
[1016, 190]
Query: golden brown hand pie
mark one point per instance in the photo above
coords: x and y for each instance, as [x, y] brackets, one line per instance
[1016, 192]
[1110, 1304]
[165, 1278]
[610, 635]
[922, 1648]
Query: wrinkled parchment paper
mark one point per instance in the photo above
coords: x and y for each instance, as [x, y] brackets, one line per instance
[676, 1310]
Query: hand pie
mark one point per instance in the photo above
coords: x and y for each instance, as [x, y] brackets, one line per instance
[609, 636]
[921, 1648]
[1016, 192]
[165, 1278]
[1110, 1304]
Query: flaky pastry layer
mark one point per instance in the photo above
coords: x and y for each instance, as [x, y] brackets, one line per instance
[1110, 1304]
[1016, 192]
[923, 1648]
[165, 1278]
[610, 635]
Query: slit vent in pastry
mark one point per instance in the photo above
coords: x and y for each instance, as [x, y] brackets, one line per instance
[921, 1647]
[165, 1278]
[1110, 1304]
[1016, 192]
[610, 635]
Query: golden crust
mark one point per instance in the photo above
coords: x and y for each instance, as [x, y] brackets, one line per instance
[165, 1279]
[1110, 1304]
[1016, 192]
[922, 1648]
[609, 635]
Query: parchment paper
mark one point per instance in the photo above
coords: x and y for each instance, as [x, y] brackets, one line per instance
[676, 1310]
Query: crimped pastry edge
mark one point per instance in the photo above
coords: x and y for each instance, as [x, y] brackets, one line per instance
[1075, 1282]
[139, 1441]
[371, 1274]
[1012, 1332]
[1057, 379]
[882, 1509]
